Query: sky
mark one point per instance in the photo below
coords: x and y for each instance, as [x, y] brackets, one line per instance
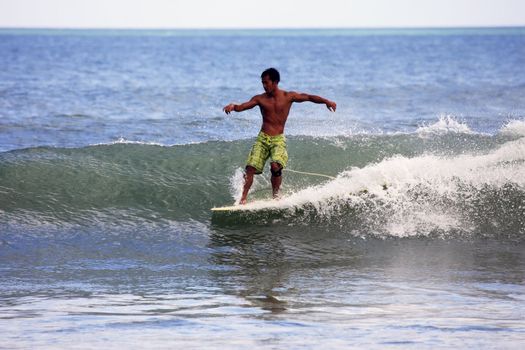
[260, 13]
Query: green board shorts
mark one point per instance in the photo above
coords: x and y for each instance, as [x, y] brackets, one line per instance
[266, 146]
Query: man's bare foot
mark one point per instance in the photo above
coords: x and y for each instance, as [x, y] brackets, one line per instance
[242, 201]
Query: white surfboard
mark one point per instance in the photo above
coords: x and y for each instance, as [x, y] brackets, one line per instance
[251, 206]
[228, 208]
[270, 204]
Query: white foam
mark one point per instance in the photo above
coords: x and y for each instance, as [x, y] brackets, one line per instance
[443, 180]
[236, 185]
[514, 128]
[445, 124]
[122, 140]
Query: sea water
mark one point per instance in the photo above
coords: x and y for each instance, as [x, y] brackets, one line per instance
[114, 147]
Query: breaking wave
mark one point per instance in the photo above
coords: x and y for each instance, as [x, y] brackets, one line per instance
[454, 182]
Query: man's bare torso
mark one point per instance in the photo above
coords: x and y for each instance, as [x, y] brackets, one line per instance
[275, 105]
[274, 110]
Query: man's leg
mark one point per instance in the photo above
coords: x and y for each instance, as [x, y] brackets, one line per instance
[248, 181]
[279, 157]
[276, 170]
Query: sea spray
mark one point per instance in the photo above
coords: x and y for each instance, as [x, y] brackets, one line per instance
[405, 196]
[445, 124]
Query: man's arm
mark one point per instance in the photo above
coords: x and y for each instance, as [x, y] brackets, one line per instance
[242, 107]
[302, 97]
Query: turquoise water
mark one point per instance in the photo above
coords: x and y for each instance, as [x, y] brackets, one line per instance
[114, 146]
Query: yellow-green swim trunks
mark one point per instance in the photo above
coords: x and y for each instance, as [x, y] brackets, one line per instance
[266, 146]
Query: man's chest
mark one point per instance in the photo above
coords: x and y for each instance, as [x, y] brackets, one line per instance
[275, 106]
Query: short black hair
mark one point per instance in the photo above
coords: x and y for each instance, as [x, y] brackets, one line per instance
[273, 74]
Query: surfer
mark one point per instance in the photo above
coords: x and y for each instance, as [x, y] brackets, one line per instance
[275, 106]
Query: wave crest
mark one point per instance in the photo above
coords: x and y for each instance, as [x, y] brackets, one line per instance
[514, 128]
[445, 124]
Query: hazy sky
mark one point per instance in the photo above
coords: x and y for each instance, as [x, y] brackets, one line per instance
[259, 14]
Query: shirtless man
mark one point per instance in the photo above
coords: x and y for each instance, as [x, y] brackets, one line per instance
[275, 105]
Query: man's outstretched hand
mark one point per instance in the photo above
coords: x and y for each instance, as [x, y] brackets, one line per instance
[331, 106]
[229, 108]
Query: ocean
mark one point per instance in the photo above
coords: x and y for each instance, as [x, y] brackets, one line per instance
[114, 147]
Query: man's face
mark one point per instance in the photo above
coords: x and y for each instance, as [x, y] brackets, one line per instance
[268, 84]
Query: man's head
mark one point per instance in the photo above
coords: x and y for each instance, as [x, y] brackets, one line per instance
[273, 74]
[270, 78]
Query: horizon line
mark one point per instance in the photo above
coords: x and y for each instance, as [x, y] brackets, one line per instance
[512, 26]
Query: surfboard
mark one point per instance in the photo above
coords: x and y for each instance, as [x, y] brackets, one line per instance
[258, 212]
[269, 204]
[228, 208]
[251, 206]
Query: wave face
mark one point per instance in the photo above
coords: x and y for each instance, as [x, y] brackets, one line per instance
[436, 181]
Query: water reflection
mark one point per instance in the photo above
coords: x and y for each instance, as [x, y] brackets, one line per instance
[309, 270]
[255, 269]
[269, 266]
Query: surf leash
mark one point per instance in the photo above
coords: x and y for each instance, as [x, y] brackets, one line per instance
[312, 174]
